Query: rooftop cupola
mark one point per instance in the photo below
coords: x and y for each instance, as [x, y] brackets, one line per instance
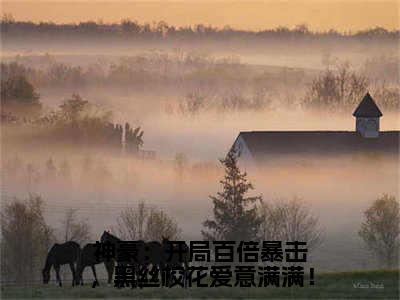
[367, 117]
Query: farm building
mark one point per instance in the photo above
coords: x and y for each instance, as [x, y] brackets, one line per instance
[257, 147]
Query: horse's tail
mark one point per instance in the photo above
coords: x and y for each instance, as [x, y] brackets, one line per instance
[50, 257]
[47, 264]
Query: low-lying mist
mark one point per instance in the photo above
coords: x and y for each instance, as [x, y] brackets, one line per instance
[100, 186]
[192, 107]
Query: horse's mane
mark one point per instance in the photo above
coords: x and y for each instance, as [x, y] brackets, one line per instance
[107, 235]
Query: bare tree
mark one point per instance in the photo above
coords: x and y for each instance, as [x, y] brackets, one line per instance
[193, 102]
[145, 223]
[74, 229]
[291, 221]
[25, 239]
[380, 230]
[131, 222]
[272, 220]
[337, 88]
[160, 225]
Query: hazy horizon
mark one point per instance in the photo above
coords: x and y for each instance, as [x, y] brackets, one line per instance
[318, 15]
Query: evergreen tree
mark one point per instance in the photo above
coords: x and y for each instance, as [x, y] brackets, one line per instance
[236, 216]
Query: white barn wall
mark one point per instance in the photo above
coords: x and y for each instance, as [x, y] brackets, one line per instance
[245, 159]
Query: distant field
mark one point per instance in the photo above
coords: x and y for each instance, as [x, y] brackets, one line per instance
[371, 285]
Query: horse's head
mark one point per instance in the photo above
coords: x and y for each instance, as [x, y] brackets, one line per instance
[108, 237]
[46, 276]
[165, 239]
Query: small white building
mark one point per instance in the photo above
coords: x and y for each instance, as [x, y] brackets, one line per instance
[367, 116]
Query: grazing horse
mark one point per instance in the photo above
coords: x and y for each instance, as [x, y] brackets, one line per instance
[61, 254]
[87, 258]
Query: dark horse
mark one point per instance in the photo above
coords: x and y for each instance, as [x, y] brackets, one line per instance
[147, 253]
[107, 237]
[150, 253]
[171, 253]
[61, 254]
[175, 257]
[88, 258]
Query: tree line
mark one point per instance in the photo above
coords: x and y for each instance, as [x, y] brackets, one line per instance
[207, 83]
[162, 30]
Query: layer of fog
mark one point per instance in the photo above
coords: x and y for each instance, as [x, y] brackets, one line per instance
[296, 53]
[338, 190]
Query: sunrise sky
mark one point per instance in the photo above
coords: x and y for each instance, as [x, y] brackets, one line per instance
[317, 14]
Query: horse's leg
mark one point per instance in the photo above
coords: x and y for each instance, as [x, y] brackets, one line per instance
[185, 265]
[57, 268]
[95, 276]
[80, 274]
[110, 270]
[71, 265]
[162, 272]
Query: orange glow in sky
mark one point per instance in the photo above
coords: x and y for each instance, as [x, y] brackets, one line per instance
[254, 15]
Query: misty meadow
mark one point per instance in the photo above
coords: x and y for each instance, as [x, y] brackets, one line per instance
[128, 127]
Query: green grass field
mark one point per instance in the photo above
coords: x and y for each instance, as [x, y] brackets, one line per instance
[378, 284]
